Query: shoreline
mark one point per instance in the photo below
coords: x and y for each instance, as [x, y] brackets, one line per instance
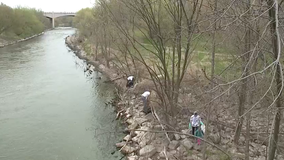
[145, 137]
[136, 144]
[21, 40]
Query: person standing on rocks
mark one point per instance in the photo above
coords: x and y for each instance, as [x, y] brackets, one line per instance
[195, 122]
[130, 81]
[145, 99]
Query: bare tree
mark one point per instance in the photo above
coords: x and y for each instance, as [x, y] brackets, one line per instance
[276, 46]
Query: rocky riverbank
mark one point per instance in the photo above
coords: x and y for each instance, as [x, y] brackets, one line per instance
[8, 43]
[145, 137]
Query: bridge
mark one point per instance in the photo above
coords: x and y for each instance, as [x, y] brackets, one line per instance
[53, 15]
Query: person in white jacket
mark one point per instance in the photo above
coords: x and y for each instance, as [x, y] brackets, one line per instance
[195, 122]
[146, 108]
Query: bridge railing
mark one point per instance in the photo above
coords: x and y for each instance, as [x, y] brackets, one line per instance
[59, 13]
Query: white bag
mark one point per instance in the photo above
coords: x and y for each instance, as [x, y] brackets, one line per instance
[203, 128]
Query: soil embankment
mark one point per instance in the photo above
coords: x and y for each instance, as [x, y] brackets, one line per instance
[4, 43]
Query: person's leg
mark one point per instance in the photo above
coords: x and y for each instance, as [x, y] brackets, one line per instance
[198, 141]
[131, 84]
[144, 104]
[193, 130]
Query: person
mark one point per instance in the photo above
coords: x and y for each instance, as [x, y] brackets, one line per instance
[130, 81]
[199, 133]
[195, 122]
[145, 100]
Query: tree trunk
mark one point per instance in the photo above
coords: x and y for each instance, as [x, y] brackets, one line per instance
[212, 78]
[244, 82]
[273, 14]
[247, 136]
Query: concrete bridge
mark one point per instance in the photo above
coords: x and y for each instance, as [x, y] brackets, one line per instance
[53, 15]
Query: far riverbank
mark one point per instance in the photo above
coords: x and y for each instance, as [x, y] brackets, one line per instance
[8, 43]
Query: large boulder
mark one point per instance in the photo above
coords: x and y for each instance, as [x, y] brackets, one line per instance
[146, 139]
[187, 144]
[173, 145]
[141, 120]
[182, 150]
[147, 151]
[132, 158]
[197, 147]
[127, 150]
[120, 144]
[177, 136]
[127, 138]
[133, 126]
[185, 131]
[215, 138]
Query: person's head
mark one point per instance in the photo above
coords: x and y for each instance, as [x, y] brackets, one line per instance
[195, 113]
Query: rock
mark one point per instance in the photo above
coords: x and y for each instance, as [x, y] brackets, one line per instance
[173, 152]
[135, 139]
[215, 138]
[162, 155]
[261, 158]
[147, 151]
[129, 121]
[145, 139]
[127, 138]
[120, 144]
[197, 147]
[126, 131]
[181, 149]
[177, 136]
[187, 144]
[141, 120]
[157, 127]
[279, 157]
[127, 111]
[127, 150]
[185, 131]
[132, 158]
[173, 145]
[133, 126]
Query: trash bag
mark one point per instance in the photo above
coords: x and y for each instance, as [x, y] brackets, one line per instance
[202, 127]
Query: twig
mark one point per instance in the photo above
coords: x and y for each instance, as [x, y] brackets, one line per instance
[155, 114]
[111, 80]
[165, 153]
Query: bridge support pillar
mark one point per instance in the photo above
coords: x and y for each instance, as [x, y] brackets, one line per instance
[53, 23]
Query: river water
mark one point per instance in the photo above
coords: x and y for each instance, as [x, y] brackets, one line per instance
[50, 109]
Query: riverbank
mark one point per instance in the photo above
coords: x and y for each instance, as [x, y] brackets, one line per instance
[136, 144]
[145, 134]
[8, 43]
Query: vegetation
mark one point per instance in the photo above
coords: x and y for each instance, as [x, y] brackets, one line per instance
[233, 49]
[64, 22]
[20, 22]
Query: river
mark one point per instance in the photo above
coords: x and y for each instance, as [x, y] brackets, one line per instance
[50, 109]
